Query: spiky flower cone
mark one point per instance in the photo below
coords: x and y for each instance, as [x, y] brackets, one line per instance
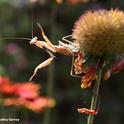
[100, 32]
[100, 36]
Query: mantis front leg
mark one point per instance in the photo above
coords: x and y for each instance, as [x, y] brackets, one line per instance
[40, 66]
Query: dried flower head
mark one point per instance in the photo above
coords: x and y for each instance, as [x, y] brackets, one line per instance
[100, 32]
[100, 36]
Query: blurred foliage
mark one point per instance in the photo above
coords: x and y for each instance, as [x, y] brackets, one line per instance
[18, 59]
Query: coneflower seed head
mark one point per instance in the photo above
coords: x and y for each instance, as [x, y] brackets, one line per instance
[100, 32]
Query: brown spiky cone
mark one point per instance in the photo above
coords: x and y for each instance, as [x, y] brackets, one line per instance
[100, 32]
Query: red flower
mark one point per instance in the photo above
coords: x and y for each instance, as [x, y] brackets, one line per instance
[37, 104]
[27, 90]
[87, 111]
[74, 2]
[24, 94]
[116, 67]
[4, 80]
[6, 87]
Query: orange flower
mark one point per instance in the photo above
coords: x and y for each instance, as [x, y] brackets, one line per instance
[39, 104]
[87, 111]
[116, 67]
[78, 63]
[36, 105]
[27, 90]
[81, 68]
[6, 87]
[73, 2]
[89, 76]
[14, 101]
[24, 94]
[4, 80]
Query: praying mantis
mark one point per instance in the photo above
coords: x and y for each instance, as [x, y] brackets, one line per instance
[69, 48]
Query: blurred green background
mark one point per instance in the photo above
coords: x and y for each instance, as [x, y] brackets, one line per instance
[18, 59]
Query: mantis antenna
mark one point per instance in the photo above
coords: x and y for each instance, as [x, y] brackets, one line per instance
[14, 38]
[32, 26]
[20, 38]
[72, 69]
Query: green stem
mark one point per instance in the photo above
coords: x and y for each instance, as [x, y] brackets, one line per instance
[50, 82]
[50, 88]
[95, 97]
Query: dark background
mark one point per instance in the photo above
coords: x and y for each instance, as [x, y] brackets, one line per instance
[18, 59]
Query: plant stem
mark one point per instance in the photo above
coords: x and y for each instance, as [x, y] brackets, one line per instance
[95, 97]
[50, 88]
[50, 81]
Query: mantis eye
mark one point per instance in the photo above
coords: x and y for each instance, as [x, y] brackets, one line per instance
[33, 40]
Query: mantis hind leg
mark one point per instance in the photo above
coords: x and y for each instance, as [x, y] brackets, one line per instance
[65, 38]
[72, 69]
[43, 64]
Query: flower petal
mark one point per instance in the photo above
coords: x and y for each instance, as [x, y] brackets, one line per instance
[87, 111]
[88, 78]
